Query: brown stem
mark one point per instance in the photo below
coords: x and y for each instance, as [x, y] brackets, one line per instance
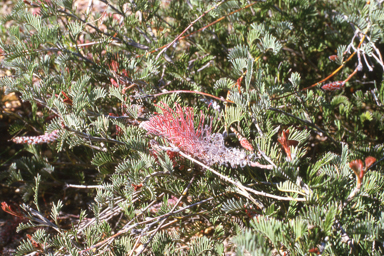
[186, 91]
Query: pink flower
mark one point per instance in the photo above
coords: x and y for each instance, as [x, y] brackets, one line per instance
[178, 128]
[46, 138]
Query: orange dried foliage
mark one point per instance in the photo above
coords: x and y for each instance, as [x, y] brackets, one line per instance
[239, 83]
[243, 141]
[67, 99]
[369, 162]
[6, 208]
[332, 57]
[314, 250]
[137, 187]
[358, 168]
[285, 143]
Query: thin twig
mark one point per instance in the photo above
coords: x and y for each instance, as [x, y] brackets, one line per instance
[154, 175]
[266, 157]
[189, 26]
[186, 91]
[130, 43]
[93, 138]
[237, 184]
[106, 214]
[38, 217]
[83, 186]
[126, 228]
[201, 29]
[173, 209]
[113, 8]
[219, 19]
[90, 4]
[338, 69]
[344, 236]
[308, 123]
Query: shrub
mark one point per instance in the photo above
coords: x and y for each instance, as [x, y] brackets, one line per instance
[197, 128]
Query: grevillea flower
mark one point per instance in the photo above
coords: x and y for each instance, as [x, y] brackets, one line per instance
[46, 138]
[179, 129]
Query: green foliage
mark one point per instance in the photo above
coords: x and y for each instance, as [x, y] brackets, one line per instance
[95, 77]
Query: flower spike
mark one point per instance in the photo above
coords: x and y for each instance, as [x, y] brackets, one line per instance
[46, 138]
[178, 128]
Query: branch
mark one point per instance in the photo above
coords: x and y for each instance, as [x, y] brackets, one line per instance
[201, 29]
[189, 26]
[338, 69]
[131, 42]
[218, 20]
[83, 186]
[93, 138]
[237, 184]
[308, 123]
[158, 228]
[186, 91]
[125, 229]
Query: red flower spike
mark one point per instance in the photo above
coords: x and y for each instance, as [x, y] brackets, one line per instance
[337, 85]
[283, 140]
[243, 141]
[369, 162]
[177, 126]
